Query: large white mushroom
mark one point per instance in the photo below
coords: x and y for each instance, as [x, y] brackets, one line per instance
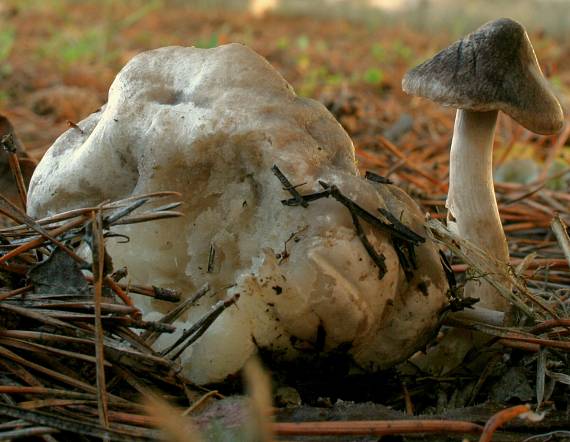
[211, 124]
[490, 70]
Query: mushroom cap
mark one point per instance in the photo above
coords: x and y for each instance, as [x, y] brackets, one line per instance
[493, 68]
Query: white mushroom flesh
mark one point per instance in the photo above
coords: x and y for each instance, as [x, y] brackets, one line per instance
[211, 124]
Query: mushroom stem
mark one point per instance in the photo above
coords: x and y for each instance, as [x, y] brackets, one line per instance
[471, 199]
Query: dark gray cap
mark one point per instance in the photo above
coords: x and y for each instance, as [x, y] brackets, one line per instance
[493, 68]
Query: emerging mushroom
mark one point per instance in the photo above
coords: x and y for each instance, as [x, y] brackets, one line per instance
[494, 68]
[211, 123]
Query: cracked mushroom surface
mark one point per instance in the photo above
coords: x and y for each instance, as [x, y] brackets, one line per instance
[211, 123]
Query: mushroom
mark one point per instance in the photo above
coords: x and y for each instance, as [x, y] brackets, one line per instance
[211, 123]
[492, 69]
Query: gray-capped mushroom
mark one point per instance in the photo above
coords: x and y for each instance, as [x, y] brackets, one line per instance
[492, 69]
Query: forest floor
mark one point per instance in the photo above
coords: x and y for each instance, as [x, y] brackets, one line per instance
[58, 59]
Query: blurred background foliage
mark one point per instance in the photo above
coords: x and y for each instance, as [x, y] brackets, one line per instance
[59, 57]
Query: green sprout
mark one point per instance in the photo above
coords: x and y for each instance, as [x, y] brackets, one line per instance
[7, 38]
[211, 42]
[303, 42]
[373, 76]
[283, 43]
